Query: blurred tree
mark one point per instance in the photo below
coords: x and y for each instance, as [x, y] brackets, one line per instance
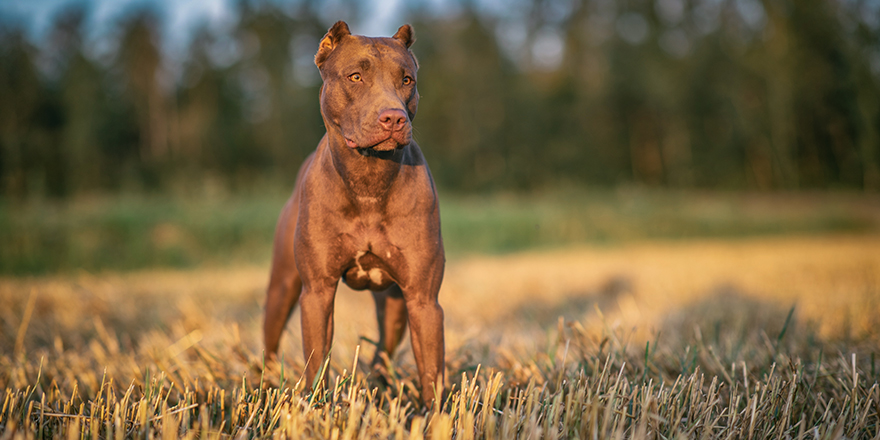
[466, 83]
[23, 113]
[80, 84]
[266, 34]
[139, 60]
[759, 94]
[863, 49]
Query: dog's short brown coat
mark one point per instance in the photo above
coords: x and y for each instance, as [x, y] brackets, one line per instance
[364, 210]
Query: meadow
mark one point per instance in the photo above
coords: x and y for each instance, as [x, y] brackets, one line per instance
[625, 314]
[213, 228]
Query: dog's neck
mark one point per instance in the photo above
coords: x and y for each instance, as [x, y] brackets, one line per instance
[366, 173]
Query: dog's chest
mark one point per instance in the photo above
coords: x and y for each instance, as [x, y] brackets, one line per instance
[369, 233]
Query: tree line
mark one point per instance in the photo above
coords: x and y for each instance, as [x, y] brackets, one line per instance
[734, 94]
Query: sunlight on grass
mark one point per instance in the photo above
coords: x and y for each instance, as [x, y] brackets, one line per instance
[760, 338]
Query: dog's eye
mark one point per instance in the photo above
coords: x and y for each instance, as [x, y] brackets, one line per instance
[355, 77]
[407, 80]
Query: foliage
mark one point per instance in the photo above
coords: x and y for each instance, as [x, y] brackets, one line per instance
[725, 94]
[126, 232]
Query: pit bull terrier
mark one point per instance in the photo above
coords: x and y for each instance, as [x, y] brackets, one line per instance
[364, 209]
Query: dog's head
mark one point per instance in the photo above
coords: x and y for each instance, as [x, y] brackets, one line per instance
[369, 92]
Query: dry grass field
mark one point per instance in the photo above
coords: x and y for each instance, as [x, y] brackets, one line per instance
[772, 337]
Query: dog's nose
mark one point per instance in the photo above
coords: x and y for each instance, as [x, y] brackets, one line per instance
[392, 119]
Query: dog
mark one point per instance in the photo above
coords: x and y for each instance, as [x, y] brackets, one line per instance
[364, 209]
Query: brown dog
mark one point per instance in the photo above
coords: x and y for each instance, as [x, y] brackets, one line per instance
[364, 209]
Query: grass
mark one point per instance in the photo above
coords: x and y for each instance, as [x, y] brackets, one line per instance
[500, 223]
[129, 232]
[769, 337]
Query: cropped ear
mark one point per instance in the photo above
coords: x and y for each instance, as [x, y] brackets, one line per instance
[330, 41]
[406, 35]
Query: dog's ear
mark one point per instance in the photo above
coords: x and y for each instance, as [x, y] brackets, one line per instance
[406, 35]
[330, 41]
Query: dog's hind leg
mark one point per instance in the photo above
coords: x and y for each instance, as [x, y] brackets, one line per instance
[281, 299]
[391, 314]
[285, 283]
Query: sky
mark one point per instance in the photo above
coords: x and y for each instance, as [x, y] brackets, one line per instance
[382, 17]
[179, 17]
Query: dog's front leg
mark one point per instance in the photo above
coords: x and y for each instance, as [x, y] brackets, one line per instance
[426, 332]
[316, 301]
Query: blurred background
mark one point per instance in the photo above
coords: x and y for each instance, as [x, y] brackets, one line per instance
[143, 133]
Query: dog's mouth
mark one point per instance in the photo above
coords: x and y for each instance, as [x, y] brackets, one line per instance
[387, 144]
